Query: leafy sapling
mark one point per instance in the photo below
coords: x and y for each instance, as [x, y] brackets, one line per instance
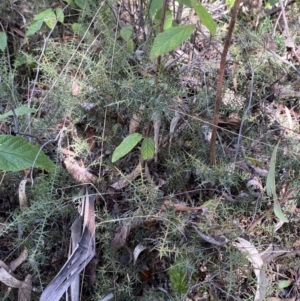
[147, 147]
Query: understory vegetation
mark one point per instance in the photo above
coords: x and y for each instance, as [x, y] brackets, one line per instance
[130, 128]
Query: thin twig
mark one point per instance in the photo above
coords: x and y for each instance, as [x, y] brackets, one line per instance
[212, 151]
[209, 239]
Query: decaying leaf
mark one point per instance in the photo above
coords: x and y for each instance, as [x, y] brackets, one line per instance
[124, 229]
[128, 178]
[135, 120]
[179, 207]
[121, 235]
[22, 194]
[24, 292]
[80, 174]
[75, 88]
[19, 260]
[256, 260]
[8, 278]
[137, 251]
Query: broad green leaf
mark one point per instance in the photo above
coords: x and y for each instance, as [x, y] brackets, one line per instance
[284, 283]
[230, 3]
[185, 2]
[50, 20]
[80, 3]
[18, 154]
[3, 40]
[126, 146]
[48, 16]
[80, 29]
[70, 2]
[130, 46]
[60, 14]
[147, 149]
[154, 7]
[204, 16]
[170, 39]
[34, 28]
[126, 32]
[168, 18]
[44, 14]
[272, 2]
[271, 186]
[18, 111]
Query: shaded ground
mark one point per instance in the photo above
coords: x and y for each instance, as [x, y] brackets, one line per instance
[172, 227]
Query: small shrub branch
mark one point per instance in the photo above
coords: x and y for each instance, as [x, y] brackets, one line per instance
[212, 150]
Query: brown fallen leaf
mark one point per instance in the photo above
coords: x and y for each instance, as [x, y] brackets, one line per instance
[75, 88]
[90, 138]
[128, 178]
[124, 229]
[179, 207]
[135, 120]
[80, 174]
[19, 260]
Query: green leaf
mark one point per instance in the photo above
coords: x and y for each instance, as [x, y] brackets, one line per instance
[60, 14]
[18, 111]
[3, 40]
[80, 3]
[168, 18]
[272, 2]
[185, 2]
[204, 16]
[278, 212]
[126, 146]
[284, 283]
[34, 28]
[130, 46]
[230, 3]
[70, 2]
[170, 39]
[147, 149]
[42, 15]
[50, 20]
[154, 7]
[80, 29]
[18, 154]
[271, 186]
[126, 32]
[48, 16]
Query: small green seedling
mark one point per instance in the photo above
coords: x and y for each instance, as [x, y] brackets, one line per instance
[147, 147]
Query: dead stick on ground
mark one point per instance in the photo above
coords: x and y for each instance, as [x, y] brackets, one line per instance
[212, 151]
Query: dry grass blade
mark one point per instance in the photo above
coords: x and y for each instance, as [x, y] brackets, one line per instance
[81, 256]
